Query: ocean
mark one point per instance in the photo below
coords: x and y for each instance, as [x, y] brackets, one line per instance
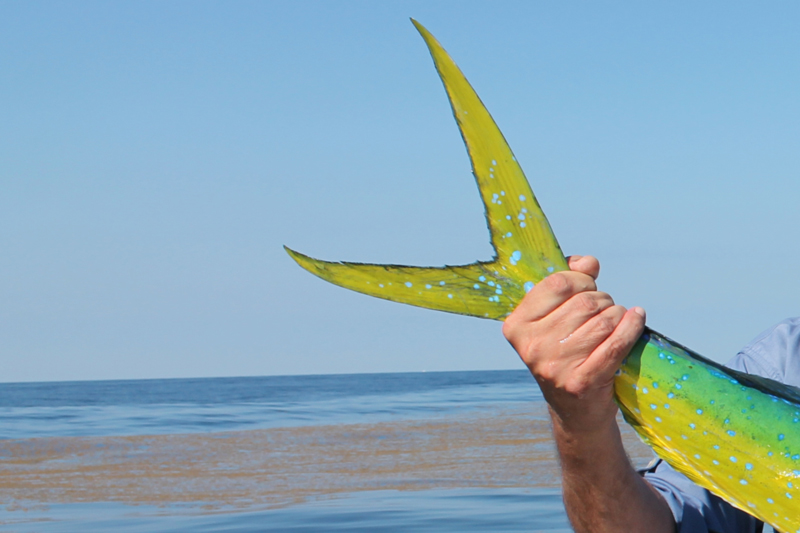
[438, 452]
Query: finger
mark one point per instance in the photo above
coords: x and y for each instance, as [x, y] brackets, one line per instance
[585, 263]
[583, 313]
[606, 359]
[584, 340]
[553, 291]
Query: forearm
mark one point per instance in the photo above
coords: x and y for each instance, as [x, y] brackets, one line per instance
[602, 491]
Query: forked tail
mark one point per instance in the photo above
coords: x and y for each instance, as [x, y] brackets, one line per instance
[526, 251]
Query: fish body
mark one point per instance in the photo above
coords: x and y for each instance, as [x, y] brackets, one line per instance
[734, 434]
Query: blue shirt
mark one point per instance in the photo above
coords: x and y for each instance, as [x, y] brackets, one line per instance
[775, 354]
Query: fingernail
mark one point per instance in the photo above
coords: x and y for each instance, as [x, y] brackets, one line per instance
[639, 311]
[574, 258]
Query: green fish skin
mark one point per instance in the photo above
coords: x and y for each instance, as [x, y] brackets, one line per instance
[735, 434]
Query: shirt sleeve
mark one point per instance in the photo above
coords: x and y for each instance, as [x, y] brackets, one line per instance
[695, 509]
[772, 354]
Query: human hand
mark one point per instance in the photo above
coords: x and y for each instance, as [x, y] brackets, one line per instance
[573, 339]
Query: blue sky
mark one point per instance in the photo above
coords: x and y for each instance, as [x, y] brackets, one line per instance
[156, 156]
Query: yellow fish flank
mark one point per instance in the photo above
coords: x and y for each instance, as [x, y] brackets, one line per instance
[734, 434]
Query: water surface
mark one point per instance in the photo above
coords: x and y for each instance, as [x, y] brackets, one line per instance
[451, 451]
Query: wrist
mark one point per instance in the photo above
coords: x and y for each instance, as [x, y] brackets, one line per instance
[587, 446]
[591, 419]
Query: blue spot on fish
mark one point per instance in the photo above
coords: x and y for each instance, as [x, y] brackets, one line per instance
[528, 286]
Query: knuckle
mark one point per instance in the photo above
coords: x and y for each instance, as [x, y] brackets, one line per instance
[577, 385]
[605, 325]
[546, 372]
[510, 328]
[623, 341]
[558, 283]
[587, 301]
[616, 346]
[533, 354]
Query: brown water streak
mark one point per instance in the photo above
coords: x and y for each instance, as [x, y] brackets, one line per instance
[282, 466]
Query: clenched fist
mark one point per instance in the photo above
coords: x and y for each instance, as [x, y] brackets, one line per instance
[573, 339]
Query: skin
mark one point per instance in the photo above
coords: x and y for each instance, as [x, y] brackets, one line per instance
[573, 339]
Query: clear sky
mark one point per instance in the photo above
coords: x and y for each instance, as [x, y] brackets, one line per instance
[155, 156]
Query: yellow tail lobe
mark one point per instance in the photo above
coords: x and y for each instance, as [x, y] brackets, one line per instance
[526, 251]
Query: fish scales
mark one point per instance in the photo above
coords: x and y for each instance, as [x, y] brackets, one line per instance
[737, 441]
[736, 435]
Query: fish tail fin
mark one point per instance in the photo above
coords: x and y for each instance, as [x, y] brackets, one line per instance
[526, 250]
[475, 290]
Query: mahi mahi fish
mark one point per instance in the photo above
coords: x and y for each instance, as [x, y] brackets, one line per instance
[735, 434]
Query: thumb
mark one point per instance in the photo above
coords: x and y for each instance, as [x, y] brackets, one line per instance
[585, 264]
